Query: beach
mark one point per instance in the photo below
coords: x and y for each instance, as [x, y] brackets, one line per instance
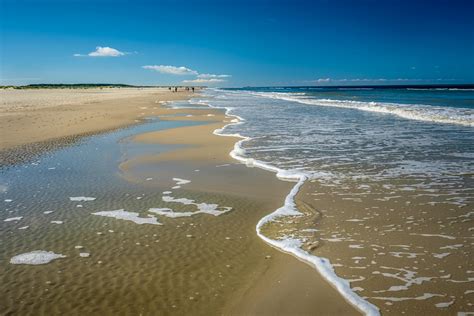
[383, 190]
[185, 203]
[38, 119]
[241, 158]
[151, 215]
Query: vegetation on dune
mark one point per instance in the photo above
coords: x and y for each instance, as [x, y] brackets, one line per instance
[78, 86]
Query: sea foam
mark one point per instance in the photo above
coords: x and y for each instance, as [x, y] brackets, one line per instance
[13, 219]
[129, 216]
[203, 208]
[291, 245]
[81, 198]
[419, 112]
[36, 257]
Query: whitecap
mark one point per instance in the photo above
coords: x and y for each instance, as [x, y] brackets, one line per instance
[13, 219]
[81, 198]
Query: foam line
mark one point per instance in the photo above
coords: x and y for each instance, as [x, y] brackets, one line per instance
[289, 245]
[418, 112]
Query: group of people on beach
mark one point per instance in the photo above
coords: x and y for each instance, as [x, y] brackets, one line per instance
[175, 89]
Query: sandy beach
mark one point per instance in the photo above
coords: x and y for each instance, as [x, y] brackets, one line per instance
[138, 197]
[240, 158]
[40, 119]
[220, 265]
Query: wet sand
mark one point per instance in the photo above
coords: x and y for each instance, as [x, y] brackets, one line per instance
[198, 264]
[273, 276]
[405, 253]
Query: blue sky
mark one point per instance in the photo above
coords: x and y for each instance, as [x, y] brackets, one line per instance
[236, 43]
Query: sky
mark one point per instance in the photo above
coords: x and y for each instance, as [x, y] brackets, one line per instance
[236, 43]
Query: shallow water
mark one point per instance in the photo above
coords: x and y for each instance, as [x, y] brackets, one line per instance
[385, 168]
[133, 262]
[364, 168]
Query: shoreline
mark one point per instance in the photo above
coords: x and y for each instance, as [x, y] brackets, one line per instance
[254, 298]
[248, 288]
[322, 265]
[358, 253]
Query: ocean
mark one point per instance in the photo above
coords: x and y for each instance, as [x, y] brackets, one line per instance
[387, 172]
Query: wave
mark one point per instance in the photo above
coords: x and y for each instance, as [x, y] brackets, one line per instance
[440, 89]
[291, 245]
[419, 112]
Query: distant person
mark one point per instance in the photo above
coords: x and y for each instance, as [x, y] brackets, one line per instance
[169, 88]
[193, 89]
[175, 89]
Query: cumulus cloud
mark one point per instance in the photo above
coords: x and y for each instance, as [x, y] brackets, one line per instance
[203, 80]
[200, 78]
[209, 76]
[323, 80]
[171, 70]
[103, 52]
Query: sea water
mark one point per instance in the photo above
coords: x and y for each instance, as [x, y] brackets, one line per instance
[399, 161]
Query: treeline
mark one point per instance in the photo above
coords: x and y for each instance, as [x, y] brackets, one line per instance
[82, 86]
[73, 86]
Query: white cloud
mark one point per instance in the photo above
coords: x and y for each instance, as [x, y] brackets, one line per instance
[103, 52]
[202, 80]
[209, 76]
[323, 80]
[199, 79]
[172, 70]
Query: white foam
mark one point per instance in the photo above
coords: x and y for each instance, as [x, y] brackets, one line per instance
[434, 235]
[444, 304]
[407, 277]
[81, 198]
[129, 216]
[180, 182]
[57, 222]
[419, 112]
[11, 219]
[289, 245]
[425, 296]
[203, 208]
[169, 212]
[84, 255]
[36, 257]
[441, 255]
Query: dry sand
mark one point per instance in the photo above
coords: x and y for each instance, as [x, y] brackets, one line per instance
[33, 121]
